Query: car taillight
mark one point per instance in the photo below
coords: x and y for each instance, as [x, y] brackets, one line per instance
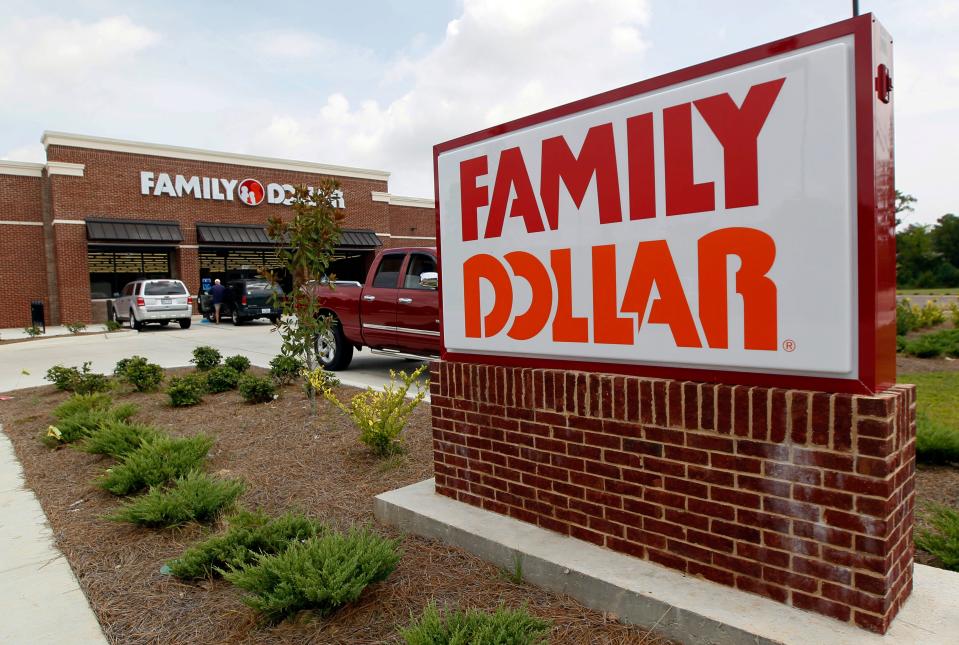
[189, 300]
[243, 300]
[140, 302]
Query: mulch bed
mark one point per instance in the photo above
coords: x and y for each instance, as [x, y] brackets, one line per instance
[289, 460]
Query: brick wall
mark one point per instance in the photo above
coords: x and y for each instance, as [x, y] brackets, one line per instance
[20, 284]
[73, 275]
[21, 237]
[803, 497]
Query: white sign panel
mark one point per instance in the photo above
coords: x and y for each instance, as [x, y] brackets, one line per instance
[708, 224]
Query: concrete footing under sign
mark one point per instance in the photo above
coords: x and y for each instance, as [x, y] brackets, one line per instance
[691, 610]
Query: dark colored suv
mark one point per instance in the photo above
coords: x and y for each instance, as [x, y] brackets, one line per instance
[246, 299]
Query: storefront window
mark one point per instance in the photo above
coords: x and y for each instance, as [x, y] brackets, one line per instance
[110, 270]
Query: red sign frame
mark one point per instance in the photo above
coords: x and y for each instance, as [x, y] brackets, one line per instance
[875, 187]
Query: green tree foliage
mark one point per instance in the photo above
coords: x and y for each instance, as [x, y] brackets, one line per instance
[309, 238]
[926, 256]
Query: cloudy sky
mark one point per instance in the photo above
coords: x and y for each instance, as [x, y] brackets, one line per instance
[376, 84]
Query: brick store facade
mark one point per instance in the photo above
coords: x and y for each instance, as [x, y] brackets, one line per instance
[101, 212]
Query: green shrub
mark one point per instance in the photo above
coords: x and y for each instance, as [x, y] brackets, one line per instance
[945, 342]
[221, 379]
[84, 421]
[143, 375]
[75, 328]
[381, 414]
[319, 380]
[155, 463]
[256, 389]
[942, 540]
[186, 390]
[249, 533]
[322, 573]
[81, 381]
[82, 403]
[62, 377]
[239, 363]
[206, 358]
[930, 314]
[33, 331]
[906, 320]
[113, 325]
[284, 369]
[935, 442]
[901, 343]
[118, 438]
[194, 497]
[502, 627]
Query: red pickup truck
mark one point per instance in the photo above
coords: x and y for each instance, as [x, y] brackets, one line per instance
[396, 312]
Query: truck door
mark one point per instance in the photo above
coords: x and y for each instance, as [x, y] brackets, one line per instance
[378, 302]
[417, 306]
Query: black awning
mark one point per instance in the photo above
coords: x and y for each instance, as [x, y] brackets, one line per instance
[233, 234]
[118, 230]
[358, 239]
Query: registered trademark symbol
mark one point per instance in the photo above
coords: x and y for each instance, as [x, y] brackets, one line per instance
[789, 345]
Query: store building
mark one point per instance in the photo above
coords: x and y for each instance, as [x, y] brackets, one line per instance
[101, 212]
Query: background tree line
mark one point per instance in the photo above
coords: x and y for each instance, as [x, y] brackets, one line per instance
[926, 256]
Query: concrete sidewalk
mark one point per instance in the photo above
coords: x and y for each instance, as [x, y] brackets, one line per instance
[18, 333]
[41, 598]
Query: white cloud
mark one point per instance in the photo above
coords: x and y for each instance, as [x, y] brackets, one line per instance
[63, 49]
[498, 61]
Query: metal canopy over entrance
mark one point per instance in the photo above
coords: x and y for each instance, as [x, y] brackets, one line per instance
[115, 230]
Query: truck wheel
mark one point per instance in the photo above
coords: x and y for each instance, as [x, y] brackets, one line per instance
[185, 323]
[235, 317]
[333, 350]
[134, 323]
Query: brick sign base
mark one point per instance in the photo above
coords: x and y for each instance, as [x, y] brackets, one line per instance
[803, 497]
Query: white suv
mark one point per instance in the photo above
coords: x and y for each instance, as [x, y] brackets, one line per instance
[159, 301]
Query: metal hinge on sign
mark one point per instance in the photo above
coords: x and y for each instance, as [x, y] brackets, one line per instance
[883, 83]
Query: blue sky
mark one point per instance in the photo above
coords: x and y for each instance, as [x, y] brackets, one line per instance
[376, 84]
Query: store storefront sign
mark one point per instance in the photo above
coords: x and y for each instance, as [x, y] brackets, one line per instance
[250, 191]
[719, 226]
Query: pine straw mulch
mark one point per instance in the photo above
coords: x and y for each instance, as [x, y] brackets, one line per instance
[289, 461]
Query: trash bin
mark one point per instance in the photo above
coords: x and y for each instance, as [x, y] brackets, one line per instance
[36, 315]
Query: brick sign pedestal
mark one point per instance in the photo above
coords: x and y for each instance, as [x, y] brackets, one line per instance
[803, 497]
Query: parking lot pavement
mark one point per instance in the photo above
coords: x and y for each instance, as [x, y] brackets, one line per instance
[25, 364]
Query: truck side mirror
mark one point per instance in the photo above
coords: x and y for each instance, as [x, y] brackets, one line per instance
[429, 279]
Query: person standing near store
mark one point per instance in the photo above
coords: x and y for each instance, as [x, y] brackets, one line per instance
[217, 291]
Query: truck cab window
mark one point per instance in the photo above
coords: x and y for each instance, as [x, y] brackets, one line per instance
[419, 264]
[388, 271]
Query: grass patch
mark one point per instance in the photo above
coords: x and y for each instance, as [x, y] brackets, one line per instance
[195, 497]
[155, 463]
[937, 393]
[935, 443]
[942, 540]
[118, 438]
[249, 534]
[501, 627]
[322, 573]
